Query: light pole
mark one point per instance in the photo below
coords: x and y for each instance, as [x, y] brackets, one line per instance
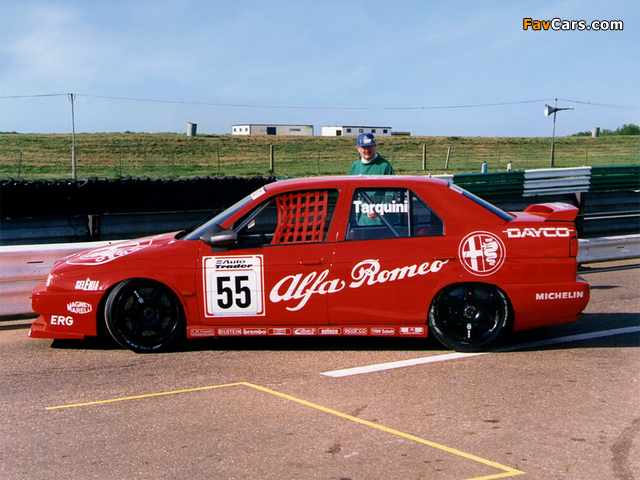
[548, 111]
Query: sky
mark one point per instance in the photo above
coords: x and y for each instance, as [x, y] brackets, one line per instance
[433, 68]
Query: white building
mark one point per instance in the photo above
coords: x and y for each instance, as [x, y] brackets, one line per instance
[338, 131]
[252, 129]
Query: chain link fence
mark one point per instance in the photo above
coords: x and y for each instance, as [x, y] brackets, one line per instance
[178, 156]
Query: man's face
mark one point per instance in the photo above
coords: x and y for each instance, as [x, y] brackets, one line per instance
[367, 153]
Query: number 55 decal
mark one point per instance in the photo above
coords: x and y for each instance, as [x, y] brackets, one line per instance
[233, 286]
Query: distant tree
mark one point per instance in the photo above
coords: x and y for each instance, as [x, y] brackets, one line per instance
[626, 129]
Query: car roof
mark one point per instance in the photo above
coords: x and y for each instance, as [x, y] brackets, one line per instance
[364, 180]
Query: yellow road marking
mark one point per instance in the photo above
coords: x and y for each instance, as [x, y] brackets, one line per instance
[148, 395]
[506, 471]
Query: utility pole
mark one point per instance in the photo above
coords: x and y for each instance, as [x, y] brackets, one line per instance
[73, 140]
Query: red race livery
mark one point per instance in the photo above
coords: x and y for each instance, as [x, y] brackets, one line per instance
[349, 256]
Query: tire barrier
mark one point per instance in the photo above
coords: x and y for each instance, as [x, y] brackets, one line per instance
[98, 196]
[92, 209]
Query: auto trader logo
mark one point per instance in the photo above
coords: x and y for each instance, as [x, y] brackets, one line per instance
[567, 25]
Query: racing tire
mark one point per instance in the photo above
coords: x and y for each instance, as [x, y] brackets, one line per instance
[144, 315]
[469, 317]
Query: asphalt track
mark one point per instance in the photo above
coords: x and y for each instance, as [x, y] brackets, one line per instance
[561, 402]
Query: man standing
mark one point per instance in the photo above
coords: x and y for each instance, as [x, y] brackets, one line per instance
[369, 163]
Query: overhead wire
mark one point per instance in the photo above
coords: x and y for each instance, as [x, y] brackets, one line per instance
[244, 105]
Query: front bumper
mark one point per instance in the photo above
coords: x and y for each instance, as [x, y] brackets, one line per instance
[41, 329]
[64, 314]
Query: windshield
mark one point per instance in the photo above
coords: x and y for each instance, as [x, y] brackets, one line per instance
[199, 230]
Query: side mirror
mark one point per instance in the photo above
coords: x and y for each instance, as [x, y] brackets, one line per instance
[219, 239]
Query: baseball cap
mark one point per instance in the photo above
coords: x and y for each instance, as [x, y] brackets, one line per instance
[366, 140]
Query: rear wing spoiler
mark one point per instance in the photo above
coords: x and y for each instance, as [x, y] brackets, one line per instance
[553, 211]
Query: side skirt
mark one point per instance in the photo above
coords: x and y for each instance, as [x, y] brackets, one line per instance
[198, 331]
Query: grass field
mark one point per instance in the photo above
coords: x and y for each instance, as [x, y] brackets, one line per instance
[113, 155]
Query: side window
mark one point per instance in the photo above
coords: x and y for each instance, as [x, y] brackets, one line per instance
[390, 213]
[291, 218]
[424, 221]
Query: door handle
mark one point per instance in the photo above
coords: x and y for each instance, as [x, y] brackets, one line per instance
[311, 261]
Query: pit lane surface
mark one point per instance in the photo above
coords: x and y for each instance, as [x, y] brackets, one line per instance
[266, 408]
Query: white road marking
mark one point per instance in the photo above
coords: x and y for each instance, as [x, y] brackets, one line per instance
[456, 355]
[399, 364]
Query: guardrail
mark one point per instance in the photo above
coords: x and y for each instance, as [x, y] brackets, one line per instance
[606, 249]
[556, 181]
[607, 197]
[22, 267]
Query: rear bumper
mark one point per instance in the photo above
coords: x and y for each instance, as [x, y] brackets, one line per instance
[548, 304]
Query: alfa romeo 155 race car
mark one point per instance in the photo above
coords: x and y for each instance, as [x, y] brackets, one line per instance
[338, 256]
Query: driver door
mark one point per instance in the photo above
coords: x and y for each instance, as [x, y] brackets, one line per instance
[277, 273]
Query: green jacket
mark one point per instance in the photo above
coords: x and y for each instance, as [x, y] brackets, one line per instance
[377, 166]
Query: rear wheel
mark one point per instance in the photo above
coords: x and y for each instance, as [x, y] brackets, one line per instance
[143, 315]
[469, 317]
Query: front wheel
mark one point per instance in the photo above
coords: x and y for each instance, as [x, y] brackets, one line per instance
[143, 315]
[469, 317]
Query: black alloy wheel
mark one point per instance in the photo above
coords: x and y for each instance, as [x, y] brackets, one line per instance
[144, 315]
[469, 317]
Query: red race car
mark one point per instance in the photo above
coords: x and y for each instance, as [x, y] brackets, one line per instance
[349, 256]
